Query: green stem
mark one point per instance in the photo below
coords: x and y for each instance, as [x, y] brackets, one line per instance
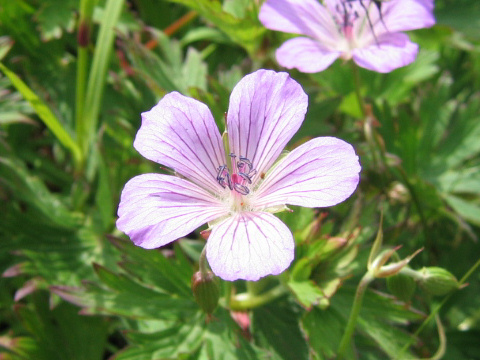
[352, 320]
[411, 273]
[367, 126]
[98, 71]
[84, 32]
[356, 80]
[227, 288]
[435, 311]
[247, 301]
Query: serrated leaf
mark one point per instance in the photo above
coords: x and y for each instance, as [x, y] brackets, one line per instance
[33, 191]
[55, 16]
[171, 71]
[275, 323]
[60, 333]
[307, 293]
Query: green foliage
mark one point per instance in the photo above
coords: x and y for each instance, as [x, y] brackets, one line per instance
[43, 112]
[73, 287]
[244, 31]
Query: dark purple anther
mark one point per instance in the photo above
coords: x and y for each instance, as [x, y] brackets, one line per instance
[242, 175]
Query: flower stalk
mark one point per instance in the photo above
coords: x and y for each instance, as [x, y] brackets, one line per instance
[352, 320]
[248, 301]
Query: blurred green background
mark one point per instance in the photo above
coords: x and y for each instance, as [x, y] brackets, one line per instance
[76, 75]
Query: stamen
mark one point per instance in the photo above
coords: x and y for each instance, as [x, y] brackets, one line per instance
[242, 175]
[242, 189]
[245, 177]
[223, 177]
[349, 21]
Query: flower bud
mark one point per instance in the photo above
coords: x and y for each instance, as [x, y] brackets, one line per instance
[438, 281]
[401, 286]
[206, 290]
[334, 243]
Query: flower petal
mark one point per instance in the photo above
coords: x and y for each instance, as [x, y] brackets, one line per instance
[156, 209]
[306, 55]
[266, 109]
[180, 132]
[306, 17]
[403, 15]
[322, 172]
[250, 245]
[392, 51]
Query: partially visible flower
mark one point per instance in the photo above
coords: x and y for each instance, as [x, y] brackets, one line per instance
[350, 29]
[237, 189]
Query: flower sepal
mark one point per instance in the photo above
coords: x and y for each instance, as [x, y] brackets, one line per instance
[437, 281]
[378, 258]
[380, 270]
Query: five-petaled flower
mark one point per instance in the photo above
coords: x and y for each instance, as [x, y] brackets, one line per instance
[235, 190]
[369, 33]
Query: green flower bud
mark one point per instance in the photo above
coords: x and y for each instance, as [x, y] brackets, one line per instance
[401, 286]
[206, 291]
[438, 281]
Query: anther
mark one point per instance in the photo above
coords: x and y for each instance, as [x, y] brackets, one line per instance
[245, 177]
[242, 189]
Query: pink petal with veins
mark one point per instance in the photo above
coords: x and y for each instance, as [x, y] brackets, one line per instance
[322, 172]
[266, 109]
[157, 209]
[180, 132]
[250, 245]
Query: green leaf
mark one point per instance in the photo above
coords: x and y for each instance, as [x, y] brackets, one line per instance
[59, 334]
[56, 16]
[275, 323]
[245, 32]
[170, 343]
[103, 196]
[5, 45]
[98, 71]
[307, 293]
[168, 275]
[204, 33]
[466, 209]
[124, 302]
[171, 72]
[462, 15]
[33, 191]
[44, 113]
[324, 329]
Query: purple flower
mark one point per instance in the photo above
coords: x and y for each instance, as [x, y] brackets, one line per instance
[237, 189]
[349, 29]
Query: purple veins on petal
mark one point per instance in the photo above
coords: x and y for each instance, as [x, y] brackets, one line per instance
[250, 245]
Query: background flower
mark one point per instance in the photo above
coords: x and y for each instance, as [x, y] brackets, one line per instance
[349, 29]
[239, 190]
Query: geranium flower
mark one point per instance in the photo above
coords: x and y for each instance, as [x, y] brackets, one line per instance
[237, 189]
[349, 29]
